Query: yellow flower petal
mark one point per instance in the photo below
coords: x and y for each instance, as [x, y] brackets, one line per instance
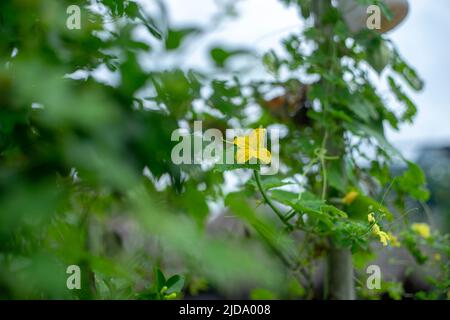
[242, 142]
[252, 146]
[257, 138]
[422, 229]
[350, 197]
[393, 240]
[371, 217]
[242, 155]
[384, 238]
[376, 229]
[264, 155]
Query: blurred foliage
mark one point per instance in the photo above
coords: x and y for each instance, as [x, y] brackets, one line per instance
[86, 177]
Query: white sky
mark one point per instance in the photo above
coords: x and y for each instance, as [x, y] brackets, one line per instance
[422, 39]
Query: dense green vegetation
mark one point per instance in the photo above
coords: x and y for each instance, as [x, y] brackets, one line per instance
[86, 176]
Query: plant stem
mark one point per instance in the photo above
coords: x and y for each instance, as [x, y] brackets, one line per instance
[323, 165]
[267, 199]
[339, 277]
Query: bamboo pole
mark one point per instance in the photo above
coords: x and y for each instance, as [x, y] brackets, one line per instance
[338, 275]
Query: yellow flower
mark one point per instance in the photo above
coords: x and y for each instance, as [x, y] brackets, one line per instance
[393, 240]
[371, 217]
[384, 237]
[422, 229]
[376, 229]
[252, 146]
[350, 197]
[437, 257]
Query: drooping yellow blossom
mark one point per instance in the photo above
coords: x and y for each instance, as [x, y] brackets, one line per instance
[252, 146]
[376, 229]
[350, 197]
[384, 237]
[422, 229]
[393, 240]
[437, 257]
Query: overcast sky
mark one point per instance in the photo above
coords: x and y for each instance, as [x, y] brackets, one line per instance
[423, 39]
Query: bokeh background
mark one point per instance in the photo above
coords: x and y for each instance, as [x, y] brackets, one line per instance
[101, 139]
[421, 39]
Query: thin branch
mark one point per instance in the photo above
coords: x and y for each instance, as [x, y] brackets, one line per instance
[268, 201]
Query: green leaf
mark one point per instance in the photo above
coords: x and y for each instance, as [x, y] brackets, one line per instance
[154, 31]
[262, 294]
[363, 108]
[407, 73]
[411, 108]
[413, 182]
[266, 229]
[336, 176]
[160, 279]
[363, 205]
[272, 182]
[378, 56]
[334, 210]
[271, 62]
[231, 167]
[375, 131]
[132, 9]
[284, 197]
[175, 37]
[195, 203]
[220, 55]
[308, 204]
[362, 258]
[175, 284]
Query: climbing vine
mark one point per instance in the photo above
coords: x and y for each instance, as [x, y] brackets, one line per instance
[86, 176]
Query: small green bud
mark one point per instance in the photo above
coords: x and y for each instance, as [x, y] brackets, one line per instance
[163, 289]
[171, 296]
